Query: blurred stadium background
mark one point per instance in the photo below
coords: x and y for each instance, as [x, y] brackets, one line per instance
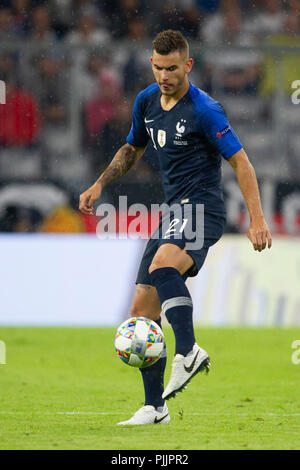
[72, 69]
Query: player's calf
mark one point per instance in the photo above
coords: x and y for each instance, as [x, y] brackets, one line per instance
[146, 303]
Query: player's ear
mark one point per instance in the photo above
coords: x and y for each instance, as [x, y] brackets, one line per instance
[189, 64]
[151, 60]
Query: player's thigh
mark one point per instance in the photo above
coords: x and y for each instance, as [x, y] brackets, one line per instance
[145, 302]
[172, 256]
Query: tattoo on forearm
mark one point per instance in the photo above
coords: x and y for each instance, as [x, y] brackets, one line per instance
[124, 159]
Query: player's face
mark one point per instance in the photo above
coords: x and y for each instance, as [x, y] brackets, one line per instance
[170, 71]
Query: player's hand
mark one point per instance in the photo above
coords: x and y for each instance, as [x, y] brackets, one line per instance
[87, 199]
[259, 234]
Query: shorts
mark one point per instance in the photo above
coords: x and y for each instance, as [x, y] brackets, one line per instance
[189, 227]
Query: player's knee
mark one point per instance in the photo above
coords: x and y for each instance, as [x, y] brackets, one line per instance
[166, 256]
[154, 266]
[163, 262]
[159, 261]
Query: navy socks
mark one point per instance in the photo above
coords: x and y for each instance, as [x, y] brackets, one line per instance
[177, 305]
[153, 378]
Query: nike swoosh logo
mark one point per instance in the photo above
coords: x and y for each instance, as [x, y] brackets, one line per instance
[190, 368]
[160, 419]
[148, 120]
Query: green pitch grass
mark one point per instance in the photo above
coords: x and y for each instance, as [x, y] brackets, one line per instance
[64, 388]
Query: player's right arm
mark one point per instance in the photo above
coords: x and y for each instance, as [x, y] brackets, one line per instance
[126, 157]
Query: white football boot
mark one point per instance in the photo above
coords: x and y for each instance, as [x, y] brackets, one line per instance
[148, 414]
[184, 368]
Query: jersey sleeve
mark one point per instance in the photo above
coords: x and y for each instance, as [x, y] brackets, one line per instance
[216, 127]
[138, 136]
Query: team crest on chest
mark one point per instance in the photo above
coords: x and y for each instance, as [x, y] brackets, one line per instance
[161, 138]
[180, 129]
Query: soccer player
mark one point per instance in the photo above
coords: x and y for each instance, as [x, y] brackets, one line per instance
[190, 132]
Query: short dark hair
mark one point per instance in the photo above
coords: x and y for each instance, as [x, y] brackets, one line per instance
[169, 41]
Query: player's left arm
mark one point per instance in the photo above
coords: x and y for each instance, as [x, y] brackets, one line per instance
[258, 232]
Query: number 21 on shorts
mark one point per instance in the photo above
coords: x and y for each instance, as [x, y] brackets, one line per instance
[172, 226]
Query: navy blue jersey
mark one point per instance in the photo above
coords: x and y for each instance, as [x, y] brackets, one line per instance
[190, 140]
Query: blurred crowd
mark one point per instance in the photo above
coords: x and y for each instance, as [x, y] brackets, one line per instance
[43, 94]
[98, 21]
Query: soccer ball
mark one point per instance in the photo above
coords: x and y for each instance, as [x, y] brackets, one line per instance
[139, 342]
